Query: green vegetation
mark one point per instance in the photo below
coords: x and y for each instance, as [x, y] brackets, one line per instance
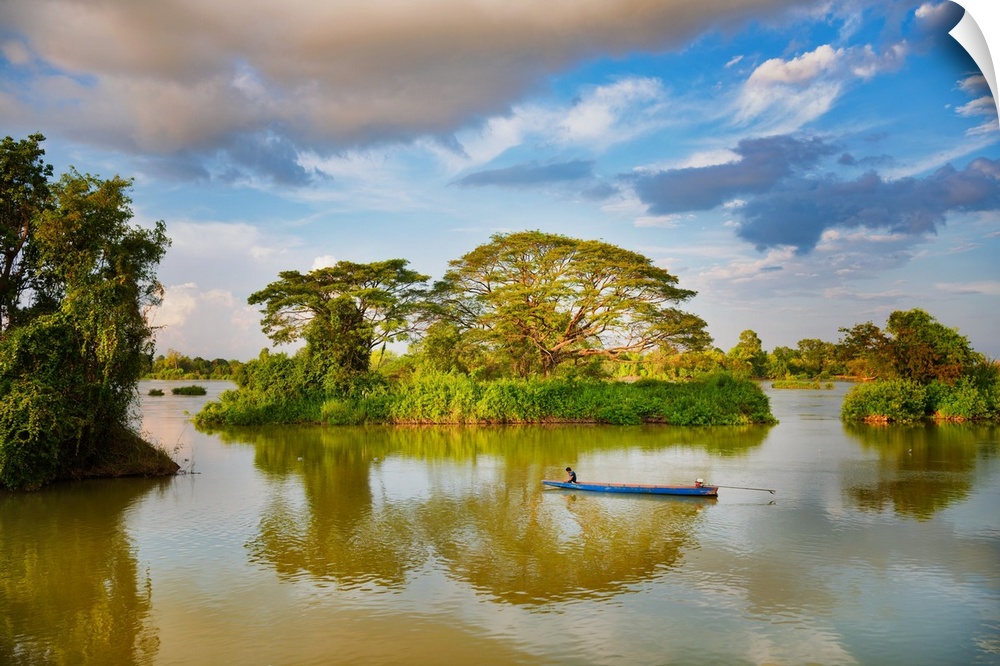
[75, 279]
[175, 365]
[523, 329]
[925, 370]
[451, 398]
[189, 390]
[533, 302]
[155, 392]
[800, 384]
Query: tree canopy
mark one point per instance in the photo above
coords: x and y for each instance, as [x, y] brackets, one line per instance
[76, 339]
[24, 194]
[914, 346]
[345, 311]
[545, 299]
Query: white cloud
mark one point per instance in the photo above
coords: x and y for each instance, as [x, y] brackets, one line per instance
[15, 52]
[661, 221]
[784, 95]
[325, 261]
[986, 287]
[613, 113]
[207, 323]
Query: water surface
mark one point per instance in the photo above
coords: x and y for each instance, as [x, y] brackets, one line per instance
[384, 545]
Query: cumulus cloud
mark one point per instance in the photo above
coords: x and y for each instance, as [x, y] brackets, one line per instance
[762, 163]
[190, 316]
[798, 210]
[218, 78]
[782, 202]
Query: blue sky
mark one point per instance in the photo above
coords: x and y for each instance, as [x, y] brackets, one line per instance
[802, 166]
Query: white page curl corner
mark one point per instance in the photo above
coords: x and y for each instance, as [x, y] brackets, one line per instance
[980, 44]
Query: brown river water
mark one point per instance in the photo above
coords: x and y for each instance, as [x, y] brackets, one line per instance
[881, 545]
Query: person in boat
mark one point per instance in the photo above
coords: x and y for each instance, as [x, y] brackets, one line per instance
[571, 475]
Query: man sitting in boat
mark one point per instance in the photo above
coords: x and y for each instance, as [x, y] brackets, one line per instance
[572, 475]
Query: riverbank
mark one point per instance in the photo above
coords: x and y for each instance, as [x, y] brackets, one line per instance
[127, 454]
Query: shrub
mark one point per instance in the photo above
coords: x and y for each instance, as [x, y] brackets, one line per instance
[896, 400]
[187, 390]
[961, 402]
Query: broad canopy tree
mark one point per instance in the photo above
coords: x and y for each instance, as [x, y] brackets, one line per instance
[343, 312]
[545, 299]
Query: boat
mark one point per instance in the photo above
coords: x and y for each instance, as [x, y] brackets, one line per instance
[697, 490]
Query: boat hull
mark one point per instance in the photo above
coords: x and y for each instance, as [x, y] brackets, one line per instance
[693, 491]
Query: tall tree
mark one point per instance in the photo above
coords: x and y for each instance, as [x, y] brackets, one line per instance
[816, 356]
[70, 364]
[924, 350]
[345, 311]
[748, 356]
[864, 350]
[545, 299]
[24, 194]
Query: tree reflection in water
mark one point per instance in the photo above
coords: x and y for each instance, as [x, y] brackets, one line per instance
[485, 519]
[924, 467]
[532, 546]
[70, 591]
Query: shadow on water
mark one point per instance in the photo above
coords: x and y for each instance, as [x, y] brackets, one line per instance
[375, 509]
[922, 468]
[70, 590]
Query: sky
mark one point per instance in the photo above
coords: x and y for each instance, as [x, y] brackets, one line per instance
[803, 166]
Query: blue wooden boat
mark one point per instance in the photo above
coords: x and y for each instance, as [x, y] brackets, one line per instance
[698, 490]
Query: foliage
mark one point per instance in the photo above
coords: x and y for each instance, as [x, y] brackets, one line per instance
[800, 384]
[174, 365]
[893, 400]
[923, 362]
[455, 400]
[24, 194]
[273, 388]
[70, 361]
[343, 312]
[534, 301]
[913, 346]
[155, 392]
[924, 350]
[748, 358]
[189, 390]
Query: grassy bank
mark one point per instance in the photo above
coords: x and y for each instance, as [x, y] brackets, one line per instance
[457, 399]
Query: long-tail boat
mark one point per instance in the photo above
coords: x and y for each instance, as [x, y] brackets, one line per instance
[697, 490]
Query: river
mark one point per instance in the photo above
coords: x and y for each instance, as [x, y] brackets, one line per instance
[880, 545]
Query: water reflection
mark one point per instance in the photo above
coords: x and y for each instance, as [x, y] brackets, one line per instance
[378, 504]
[525, 545]
[922, 468]
[70, 590]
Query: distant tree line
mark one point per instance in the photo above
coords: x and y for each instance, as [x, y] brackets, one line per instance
[174, 365]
